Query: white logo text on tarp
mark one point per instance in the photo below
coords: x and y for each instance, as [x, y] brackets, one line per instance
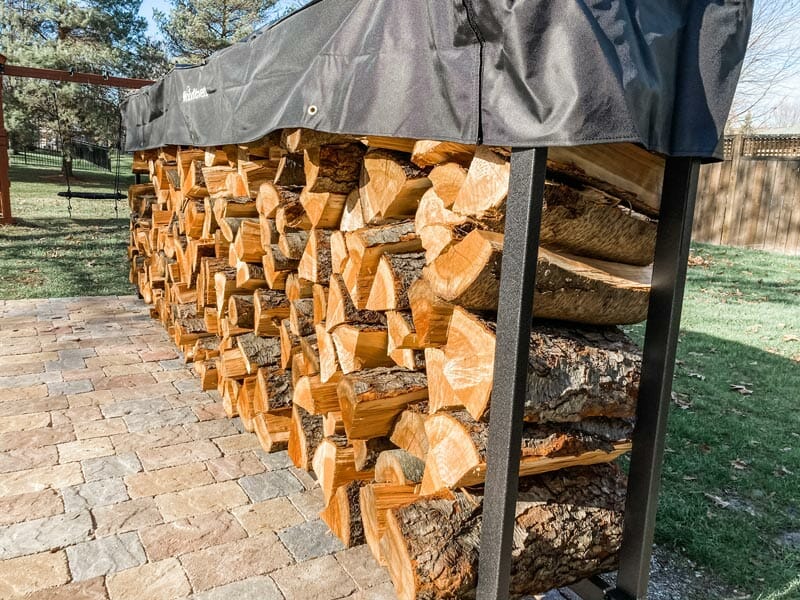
[190, 94]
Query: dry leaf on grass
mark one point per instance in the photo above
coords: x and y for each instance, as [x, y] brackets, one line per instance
[681, 401]
[742, 389]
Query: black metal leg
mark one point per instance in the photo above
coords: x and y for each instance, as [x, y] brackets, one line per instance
[518, 276]
[660, 342]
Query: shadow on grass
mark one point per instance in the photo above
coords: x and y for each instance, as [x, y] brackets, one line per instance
[30, 174]
[731, 488]
[64, 257]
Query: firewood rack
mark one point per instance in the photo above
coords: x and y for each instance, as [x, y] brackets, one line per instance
[517, 283]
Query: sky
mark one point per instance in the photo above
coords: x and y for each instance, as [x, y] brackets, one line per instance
[163, 5]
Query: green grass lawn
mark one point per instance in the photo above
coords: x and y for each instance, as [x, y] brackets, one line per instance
[731, 485]
[50, 254]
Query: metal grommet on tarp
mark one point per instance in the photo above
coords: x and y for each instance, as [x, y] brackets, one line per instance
[312, 110]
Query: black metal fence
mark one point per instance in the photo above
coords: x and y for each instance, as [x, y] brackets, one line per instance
[85, 156]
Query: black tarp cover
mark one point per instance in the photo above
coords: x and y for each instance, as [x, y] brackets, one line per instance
[525, 73]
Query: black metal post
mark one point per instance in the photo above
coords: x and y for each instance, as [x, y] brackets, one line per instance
[658, 362]
[515, 309]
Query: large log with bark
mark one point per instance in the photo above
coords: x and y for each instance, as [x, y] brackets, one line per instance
[567, 287]
[458, 447]
[574, 372]
[568, 527]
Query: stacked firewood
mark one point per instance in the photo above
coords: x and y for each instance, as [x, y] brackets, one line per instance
[340, 293]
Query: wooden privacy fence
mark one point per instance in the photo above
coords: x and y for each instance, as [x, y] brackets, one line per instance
[752, 198]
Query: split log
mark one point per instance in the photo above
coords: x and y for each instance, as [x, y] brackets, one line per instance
[301, 316]
[567, 287]
[316, 397]
[292, 217]
[390, 185]
[328, 362]
[405, 145]
[235, 207]
[256, 172]
[297, 287]
[259, 351]
[215, 178]
[458, 446]
[573, 372]
[341, 308]
[395, 274]
[292, 244]
[276, 267]
[366, 452]
[338, 251]
[207, 372]
[190, 330]
[319, 294]
[333, 169]
[297, 140]
[310, 349]
[361, 346]
[371, 400]
[324, 210]
[250, 277]
[269, 233]
[365, 248]
[401, 332]
[270, 197]
[343, 515]
[290, 343]
[399, 467]
[305, 435]
[272, 431]
[485, 188]
[332, 423]
[247, 243]
[270, 307]
[244, 403]
[447, 180]
[315, 262]
[430, 313]
[275, 389]
[334, 466]
[352, 214]
[375, 501]
[408, 431]
[214, 157]
[568, 526]
[585, 222]
[230, 394]
[241, 311]
[624, 171]
[438, 227]
[429, 153]
[290, 170]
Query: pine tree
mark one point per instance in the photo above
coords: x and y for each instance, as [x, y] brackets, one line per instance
[86, 35]
[194, 29]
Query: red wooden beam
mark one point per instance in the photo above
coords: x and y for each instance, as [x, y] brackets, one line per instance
[53, 75]
[73, 77]
[5, 184]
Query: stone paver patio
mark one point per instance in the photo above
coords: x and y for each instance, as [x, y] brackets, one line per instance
[120, 479]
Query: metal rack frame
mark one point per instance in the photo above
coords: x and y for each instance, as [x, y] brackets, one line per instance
[517, 283]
